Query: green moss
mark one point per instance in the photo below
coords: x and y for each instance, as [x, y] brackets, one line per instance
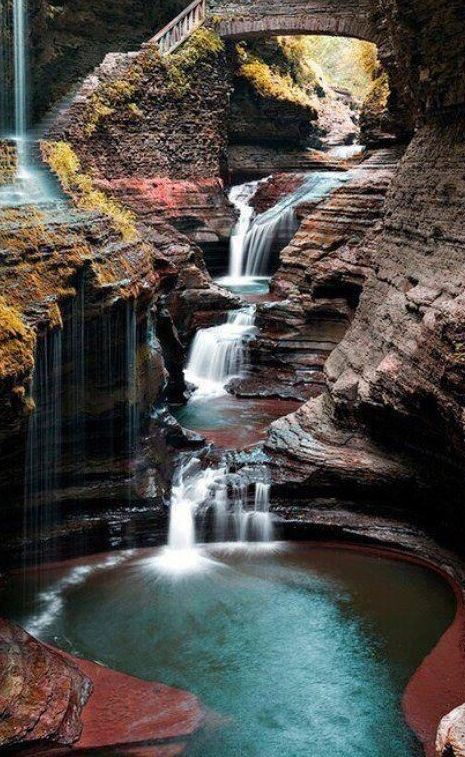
[65, 164]
[270, 83]
[109, 96]
[201, 48]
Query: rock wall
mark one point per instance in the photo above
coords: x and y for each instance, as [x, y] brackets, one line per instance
[395, 382]
[153, 131]
[140, 115]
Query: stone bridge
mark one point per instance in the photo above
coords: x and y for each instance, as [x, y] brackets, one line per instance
[251, 18]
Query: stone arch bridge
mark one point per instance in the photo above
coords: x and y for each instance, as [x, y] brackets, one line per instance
[250, 18]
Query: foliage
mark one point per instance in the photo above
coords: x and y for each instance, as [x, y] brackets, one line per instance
[268, 82]
[66, 165]
[203, 46]
[377, 97]
[11, 322]
[347, 63]
[302, 67]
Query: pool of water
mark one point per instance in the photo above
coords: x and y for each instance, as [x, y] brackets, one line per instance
[246, 285]
[301, 651]
[230, 421]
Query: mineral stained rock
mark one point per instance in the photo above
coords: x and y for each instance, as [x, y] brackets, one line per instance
[42, 694]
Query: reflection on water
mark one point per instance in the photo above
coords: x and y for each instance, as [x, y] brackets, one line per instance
[303, 651]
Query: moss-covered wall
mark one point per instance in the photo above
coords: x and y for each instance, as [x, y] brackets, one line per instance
[143, 115]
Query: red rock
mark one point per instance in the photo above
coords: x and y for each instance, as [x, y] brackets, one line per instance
[42, 694]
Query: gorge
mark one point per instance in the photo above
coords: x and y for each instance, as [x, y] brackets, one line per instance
[232, 377]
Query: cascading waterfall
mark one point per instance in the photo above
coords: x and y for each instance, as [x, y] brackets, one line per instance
[240, 197]
[254, 237]
[236, 517]
[233, 507]
[220, 353]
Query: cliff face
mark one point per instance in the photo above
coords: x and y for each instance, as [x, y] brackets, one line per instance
[142, 115]
[395, 382]
[152, 132]
[101, 294]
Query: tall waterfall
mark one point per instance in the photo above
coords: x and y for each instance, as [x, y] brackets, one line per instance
[253, 237]
[219, 353]
[44, 442]
[32, 184]
[20, 68]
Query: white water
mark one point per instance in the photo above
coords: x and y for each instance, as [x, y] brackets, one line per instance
[240, 197]
[254, 236]
[219, 353]
[30, 185]
[239, 503]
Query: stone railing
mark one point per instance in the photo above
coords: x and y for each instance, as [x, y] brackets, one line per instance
[180, 28]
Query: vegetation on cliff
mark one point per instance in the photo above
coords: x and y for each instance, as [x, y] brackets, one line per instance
[328, 78]
[66, 165]
[204, 45]
[16, 341]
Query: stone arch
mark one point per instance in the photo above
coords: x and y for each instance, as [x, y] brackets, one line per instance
[321, 24]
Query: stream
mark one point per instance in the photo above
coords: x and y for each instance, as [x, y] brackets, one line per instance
[294, 649]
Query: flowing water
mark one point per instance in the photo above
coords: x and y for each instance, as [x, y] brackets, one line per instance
[219, 353]
[44, 443]
[305, 651]
[214, 503]
[255, 236]
[32, 184]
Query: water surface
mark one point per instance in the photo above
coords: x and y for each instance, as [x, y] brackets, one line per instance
[298, 652]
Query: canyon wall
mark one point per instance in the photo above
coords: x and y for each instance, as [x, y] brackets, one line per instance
[395, 401]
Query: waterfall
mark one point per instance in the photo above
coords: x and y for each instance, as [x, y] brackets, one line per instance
[219, 353]
[132, 419]
[254, 237]
[232, 506]
[235, 519]
[20, 69]
[240, 197]
[191, 490]
[32, 184]
[44, 441]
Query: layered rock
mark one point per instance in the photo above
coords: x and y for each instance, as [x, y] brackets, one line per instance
[257, 161]
[41, 693]
[152, 132]
[318, 284]
[396, 379]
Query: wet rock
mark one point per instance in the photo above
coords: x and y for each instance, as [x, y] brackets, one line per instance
[257, 161]
[42, 694]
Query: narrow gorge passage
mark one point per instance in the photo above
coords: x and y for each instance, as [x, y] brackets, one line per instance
[231, 378]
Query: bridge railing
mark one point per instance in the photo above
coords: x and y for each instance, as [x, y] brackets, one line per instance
[180, 28]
